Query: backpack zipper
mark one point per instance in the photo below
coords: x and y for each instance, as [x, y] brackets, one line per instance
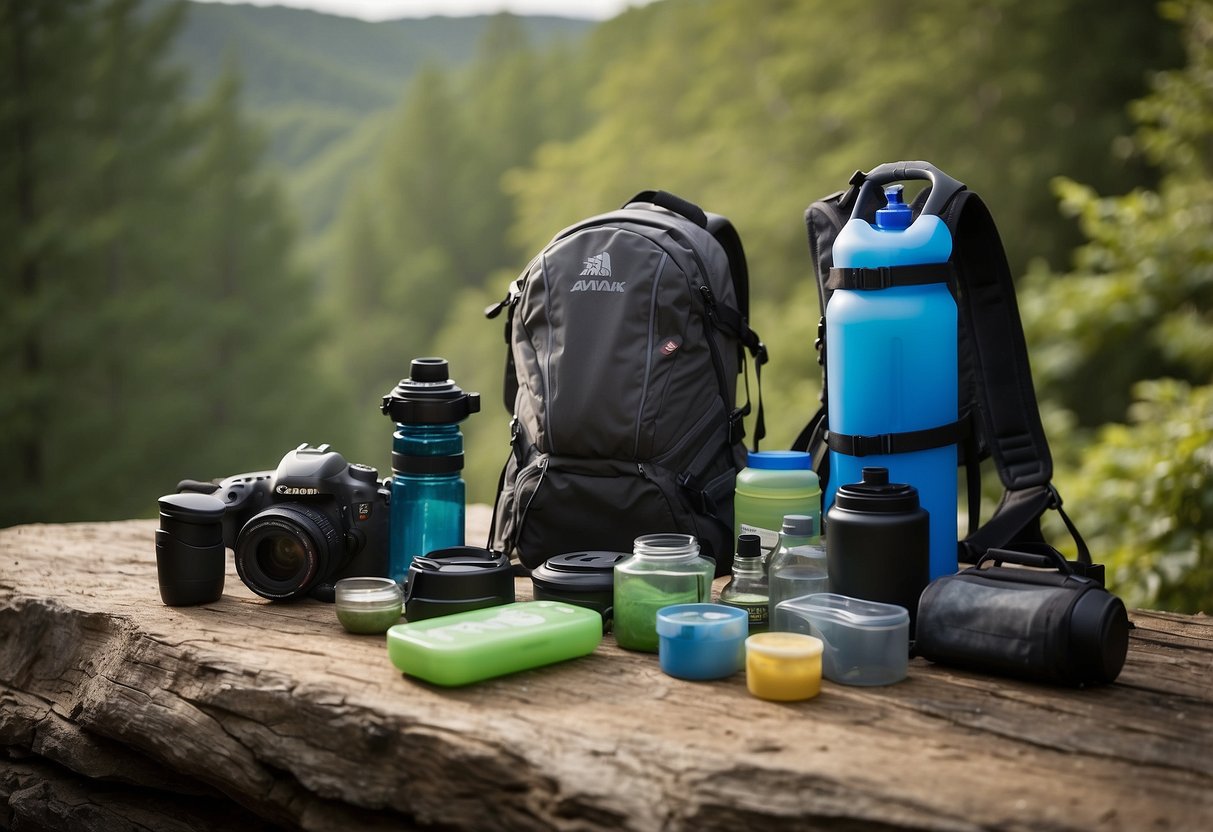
[542, 467]
[648, 355]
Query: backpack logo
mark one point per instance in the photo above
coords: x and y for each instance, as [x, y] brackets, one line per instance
[670, 346]
[598, 286]
[597, 266]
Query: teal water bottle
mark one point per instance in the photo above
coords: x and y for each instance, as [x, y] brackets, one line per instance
[428, 492]
[891, 356]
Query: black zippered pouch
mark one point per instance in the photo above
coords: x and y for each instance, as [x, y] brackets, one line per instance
[1048, 622]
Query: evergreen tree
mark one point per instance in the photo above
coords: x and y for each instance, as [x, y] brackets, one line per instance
[98, 122]
[431, 218]
[247, 315]
[154, 318]
[39, 108]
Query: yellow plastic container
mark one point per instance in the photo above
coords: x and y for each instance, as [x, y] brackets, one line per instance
[783, 667]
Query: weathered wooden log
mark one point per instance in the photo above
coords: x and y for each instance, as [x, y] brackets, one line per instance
[116, 710]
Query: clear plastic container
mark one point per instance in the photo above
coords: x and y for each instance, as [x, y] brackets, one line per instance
[866, 643]
[783, 667]
[799, 565]
[368, 605]
[664, 569]
[701, 641]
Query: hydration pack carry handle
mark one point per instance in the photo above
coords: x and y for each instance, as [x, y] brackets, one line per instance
[943, 187]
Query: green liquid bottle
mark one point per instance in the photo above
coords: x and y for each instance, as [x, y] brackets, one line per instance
[748, 588]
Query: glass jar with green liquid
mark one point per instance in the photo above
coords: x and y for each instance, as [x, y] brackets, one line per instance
[664, 569]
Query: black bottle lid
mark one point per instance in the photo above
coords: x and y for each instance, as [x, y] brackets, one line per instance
[577, 572]
[457, 579]
[429, 397]
[877, 494]
[749, 546]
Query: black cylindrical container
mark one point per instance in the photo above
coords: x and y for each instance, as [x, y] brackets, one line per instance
[190, 558]
[1053, 626]
[457, 579]
[586, 579]
[878, 542]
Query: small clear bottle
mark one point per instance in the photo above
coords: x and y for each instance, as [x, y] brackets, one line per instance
[748, 588]
[798, 566]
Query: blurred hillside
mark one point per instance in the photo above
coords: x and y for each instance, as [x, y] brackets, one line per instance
[321, 86]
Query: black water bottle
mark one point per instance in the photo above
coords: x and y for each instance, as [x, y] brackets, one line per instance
[878, 542]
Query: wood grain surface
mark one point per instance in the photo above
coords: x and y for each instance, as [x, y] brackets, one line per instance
[117, 712]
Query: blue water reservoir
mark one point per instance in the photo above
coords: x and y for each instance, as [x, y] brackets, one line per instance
[891, 364]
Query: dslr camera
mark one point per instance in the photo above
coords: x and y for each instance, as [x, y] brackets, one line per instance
[299, 529]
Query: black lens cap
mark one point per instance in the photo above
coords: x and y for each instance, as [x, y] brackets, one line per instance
[191, 507]
[193, 519]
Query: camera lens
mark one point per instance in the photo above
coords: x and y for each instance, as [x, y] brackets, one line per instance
[281, 558]
[286, 550]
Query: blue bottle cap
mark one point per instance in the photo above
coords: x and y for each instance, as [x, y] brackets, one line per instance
[896, 215]
[780, 460]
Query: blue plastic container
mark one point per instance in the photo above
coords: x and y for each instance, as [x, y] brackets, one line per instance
[428, 491]
[701, 641]
[891, 363]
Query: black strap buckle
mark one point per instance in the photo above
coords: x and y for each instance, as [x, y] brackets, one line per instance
[872, 445]
[871, 279]
[737, 424]
[699, 498]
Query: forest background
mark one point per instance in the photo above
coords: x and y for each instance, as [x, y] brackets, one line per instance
[225, 230]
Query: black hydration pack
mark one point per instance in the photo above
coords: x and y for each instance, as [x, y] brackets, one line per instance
[999, 417]
[626, 337]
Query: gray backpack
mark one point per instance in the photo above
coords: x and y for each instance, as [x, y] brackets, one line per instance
[627, 334]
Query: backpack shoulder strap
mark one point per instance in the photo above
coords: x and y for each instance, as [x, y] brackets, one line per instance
[1005, 397]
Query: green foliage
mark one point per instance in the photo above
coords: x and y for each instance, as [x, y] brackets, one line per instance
[1143, 497]
[430, 220]
[1126, 340]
